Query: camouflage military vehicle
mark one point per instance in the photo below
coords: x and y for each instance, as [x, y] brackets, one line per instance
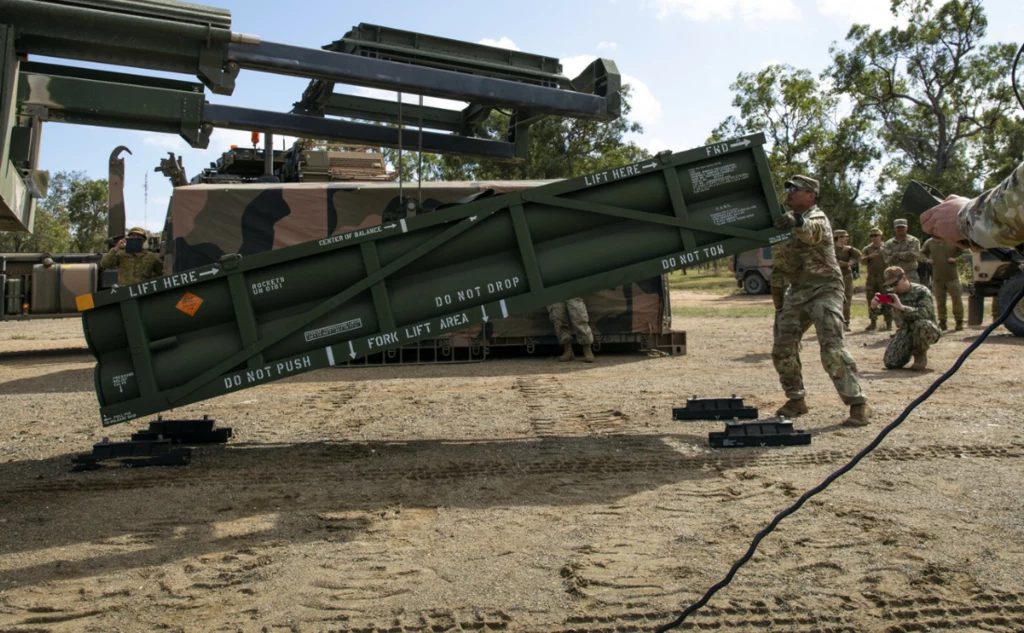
[753, 270]
[207, 221]
[1002, 280]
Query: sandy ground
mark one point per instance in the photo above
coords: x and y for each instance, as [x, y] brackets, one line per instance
[518, 495]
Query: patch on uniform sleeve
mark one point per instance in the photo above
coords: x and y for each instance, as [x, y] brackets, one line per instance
[189, 304]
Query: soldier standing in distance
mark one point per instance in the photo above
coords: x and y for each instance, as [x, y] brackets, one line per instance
[874, 260]
[845, 254]
[568, 316]
[914, 311]
[815, 296]
[903, 250]
[133, 267]
[945, 276]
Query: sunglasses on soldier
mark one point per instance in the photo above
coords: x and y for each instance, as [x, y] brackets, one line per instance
[792, 188]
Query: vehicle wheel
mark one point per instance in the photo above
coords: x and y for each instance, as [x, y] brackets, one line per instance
[754, 284]
[1010, 288]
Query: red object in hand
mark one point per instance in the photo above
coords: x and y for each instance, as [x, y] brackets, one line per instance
[883, 298]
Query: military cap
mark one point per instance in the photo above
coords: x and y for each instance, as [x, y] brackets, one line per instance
[875, 231]
[900, 222]
[803, 182]
[137, 230]
[892, 275]
[840, 233]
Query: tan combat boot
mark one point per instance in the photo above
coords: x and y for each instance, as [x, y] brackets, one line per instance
[588, 354]
[860, 415]
[943, 326]
[567, 354]
[792, 408]
[888, 325]
[920, 362]
[959, 325]
[871, 327]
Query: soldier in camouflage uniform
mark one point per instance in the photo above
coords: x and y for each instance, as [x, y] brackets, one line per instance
[845, 255]
[993, 219]
[780, 276]
[133, 267]
[914, 311]
[815, 296]
[874, 260]
[945, 277]
[903, 250]
[569, 316]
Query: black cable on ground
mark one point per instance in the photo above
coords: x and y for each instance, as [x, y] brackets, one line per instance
[845, 469]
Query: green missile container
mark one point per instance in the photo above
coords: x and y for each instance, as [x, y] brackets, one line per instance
[242, 322]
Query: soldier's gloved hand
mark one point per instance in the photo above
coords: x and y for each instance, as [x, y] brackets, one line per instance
[789, 220]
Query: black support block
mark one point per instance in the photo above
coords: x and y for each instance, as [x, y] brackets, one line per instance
[772, 432]
[714, 409]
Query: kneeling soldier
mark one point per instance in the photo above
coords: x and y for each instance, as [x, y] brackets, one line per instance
[914, 312]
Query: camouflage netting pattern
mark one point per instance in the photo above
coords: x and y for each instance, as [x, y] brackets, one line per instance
[208, 221]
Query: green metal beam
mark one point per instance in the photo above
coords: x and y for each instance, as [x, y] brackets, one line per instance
[109, 100]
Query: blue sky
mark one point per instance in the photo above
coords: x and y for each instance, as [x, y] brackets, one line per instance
[680, 56]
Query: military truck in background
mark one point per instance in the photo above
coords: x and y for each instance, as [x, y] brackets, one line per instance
[994, 277]
[753, 270]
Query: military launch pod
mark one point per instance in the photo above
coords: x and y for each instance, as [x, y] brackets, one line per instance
[159, 445]
[770, 432]
[714, 409]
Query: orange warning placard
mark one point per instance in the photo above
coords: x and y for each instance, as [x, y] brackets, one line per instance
[189, 304]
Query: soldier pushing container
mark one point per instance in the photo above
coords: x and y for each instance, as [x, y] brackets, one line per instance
[815, 297]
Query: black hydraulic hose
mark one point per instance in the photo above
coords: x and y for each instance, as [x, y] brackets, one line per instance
[845, 469]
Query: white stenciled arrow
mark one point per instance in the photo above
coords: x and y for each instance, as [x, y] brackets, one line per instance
[742, 143]
[351, 349]
[484, 310]
[390, 226]
[212, 271]
[650, 165]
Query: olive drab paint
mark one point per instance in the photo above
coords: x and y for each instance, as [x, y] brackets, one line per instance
[251, 320]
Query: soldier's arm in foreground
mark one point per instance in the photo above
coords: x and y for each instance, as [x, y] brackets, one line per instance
[996, 217]
[856, 253]
[993, 219]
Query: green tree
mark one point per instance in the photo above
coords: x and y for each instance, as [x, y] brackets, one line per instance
[933, 89]
[51, 232]
[806, 134]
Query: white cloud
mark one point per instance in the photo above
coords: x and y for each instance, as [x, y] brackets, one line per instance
[504, 42]
[646, 107]
[876, 13]
[607, 46]
[708, 10]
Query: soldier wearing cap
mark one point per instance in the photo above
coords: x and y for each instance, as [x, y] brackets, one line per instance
[914, 311]
[903, 250]
[815, 296]
[846, 255]
[945, 277]
[874, 260]
[133, 264]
